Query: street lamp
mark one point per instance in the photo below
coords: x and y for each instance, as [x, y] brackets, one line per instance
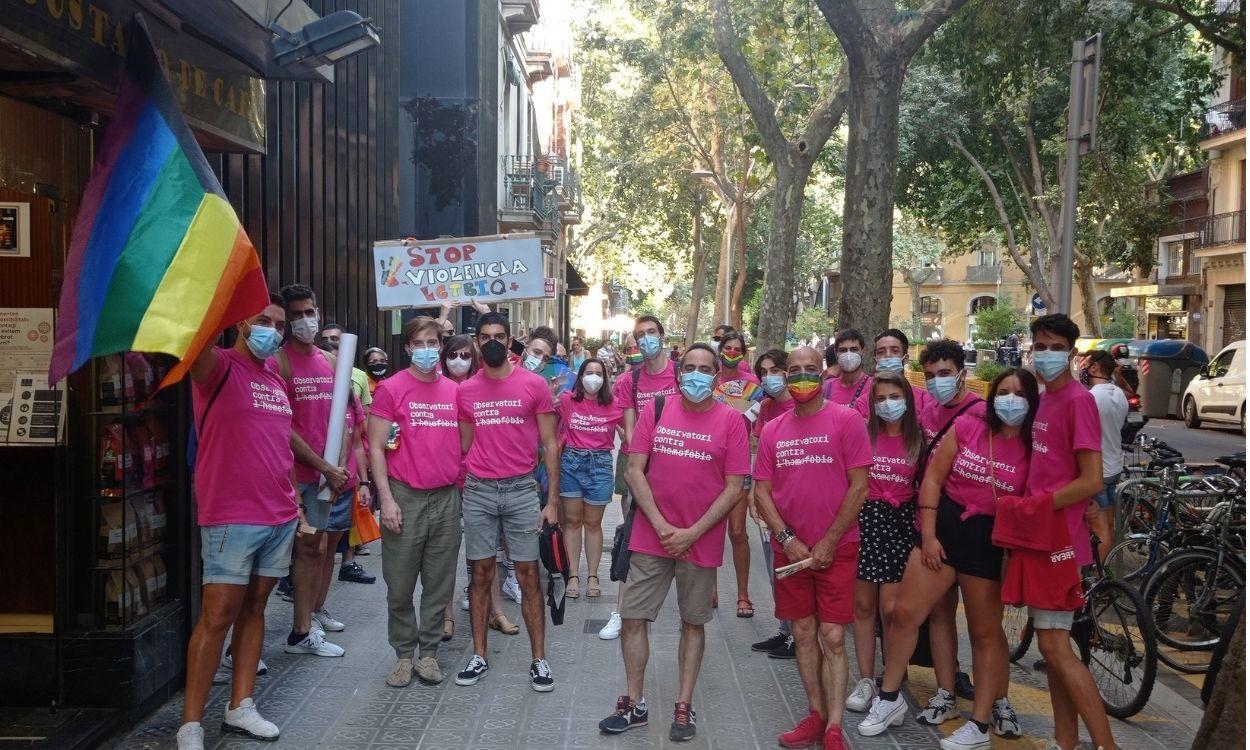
[325, 41]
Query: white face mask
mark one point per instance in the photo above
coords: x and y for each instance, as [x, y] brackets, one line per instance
[850, 361]
[592, 383]
[458, 366]
[305, 329]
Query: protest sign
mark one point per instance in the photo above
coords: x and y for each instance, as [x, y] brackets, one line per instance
[487, 269]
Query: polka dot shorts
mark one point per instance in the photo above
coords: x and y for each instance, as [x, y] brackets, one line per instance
[886, 537]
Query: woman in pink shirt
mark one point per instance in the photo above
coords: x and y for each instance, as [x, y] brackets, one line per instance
[887, 522]
[979, 459]
[589, 417]
[732, 381]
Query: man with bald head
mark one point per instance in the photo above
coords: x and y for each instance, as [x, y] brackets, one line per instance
[811, 477]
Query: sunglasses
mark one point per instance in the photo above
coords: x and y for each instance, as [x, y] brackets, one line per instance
[461, 355]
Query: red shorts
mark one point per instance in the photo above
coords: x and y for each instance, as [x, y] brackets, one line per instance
[828, 595]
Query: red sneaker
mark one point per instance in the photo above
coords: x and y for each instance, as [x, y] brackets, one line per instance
[808, 732]
[833, 738]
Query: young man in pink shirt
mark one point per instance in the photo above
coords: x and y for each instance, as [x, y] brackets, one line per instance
[309, 375]
[247, 515]
[1067, 466]
[811, 473]
[685, 472]
[853, 381]
[506, 411]
[890, 352]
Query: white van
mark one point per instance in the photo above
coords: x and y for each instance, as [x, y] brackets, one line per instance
[1218, 393]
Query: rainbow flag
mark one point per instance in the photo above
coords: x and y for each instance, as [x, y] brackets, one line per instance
[158, 261]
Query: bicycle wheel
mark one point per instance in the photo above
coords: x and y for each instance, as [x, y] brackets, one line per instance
[1018, 628]
[1129, 560]
[1118, 645]
[1190, 597]
[1136, 504]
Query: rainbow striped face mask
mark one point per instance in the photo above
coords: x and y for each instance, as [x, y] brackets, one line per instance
[803, 386]
[633, 356]
[730, 360]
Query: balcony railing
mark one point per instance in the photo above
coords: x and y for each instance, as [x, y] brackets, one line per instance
[544, 184]
[1220, 229]
[1226, 117]
[982, 274]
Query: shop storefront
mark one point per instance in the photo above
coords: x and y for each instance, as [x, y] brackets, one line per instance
[1164, 311]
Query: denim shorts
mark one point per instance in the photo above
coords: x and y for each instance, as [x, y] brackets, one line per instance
[323, 516]
[492, 506]
[235, 552]
[586, 474]
[1050, 619]
[1106, 498]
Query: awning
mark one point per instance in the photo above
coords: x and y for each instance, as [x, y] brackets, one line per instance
[1155, 290]
[573, 282]
[241, 27]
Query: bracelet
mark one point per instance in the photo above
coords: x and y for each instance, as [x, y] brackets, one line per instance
[928, 507]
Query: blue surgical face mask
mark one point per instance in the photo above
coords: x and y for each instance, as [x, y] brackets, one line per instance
[534, 363]
[943, 389]
[425, 359]
[696, 386]
[650, 346]
[893, 364]
[1050, 365]
[890, 410]
[264, 341]
[773, 384]
[1012, 409]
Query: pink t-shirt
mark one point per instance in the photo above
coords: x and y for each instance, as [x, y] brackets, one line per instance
[919, 395]
[1066, 422]
[663, 383]
[504, 413]
[807, 459]
[968, 483]
[770, 409]
[428, 456]
[311, 387]
[892, 476]
[691, 453]
[844, 395]
[355, 436]
[243, 460]
[587, 424]
[934, 416]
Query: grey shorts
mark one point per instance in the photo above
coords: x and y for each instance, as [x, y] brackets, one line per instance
[491, 507]
[1050, 619]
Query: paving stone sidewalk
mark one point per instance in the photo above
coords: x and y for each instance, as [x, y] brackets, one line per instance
[743, 699]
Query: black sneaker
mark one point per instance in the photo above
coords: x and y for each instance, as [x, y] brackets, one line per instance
[683, 723]
[963, 686]
[628, 715]
[353, 573]
[540, 676]
[473, 671]
[768, 645]
[784, 651]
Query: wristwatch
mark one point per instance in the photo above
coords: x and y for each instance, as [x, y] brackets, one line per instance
[784, 536]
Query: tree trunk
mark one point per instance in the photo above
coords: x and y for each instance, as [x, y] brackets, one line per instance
[724, 271]
[868, 216]
[743, 212]
[783, 232]
[700, 272]
[1089, 304]
[1224, 723]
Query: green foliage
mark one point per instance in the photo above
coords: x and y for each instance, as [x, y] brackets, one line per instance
[987, 370]
[812, 320]
[914, 365]
[997, 322]
[592, 344]
[1121, 323]
[751, 311]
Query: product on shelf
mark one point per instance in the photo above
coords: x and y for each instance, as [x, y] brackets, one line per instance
[144, 447]
[138, 607]
[152, 595]
[115, 381]
[137, 509]
[117, 532]
[141, 372]
[161, 577]
[116, 597]
[118, 467]
[155, 510]
[160, 438]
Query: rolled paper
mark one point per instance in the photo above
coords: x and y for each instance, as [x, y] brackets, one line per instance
[792, 568]
[338, 407]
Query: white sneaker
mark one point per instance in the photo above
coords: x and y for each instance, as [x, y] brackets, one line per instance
[967, 737]
[612, 630]
[227, 662]
[1003, 719]
[464, 603]
[329, 623]
[315, 643]
[191, 736]
[314, 626]
[247, 721]
[882, 715]
[941, 708]
[512, 589]
[861, 697]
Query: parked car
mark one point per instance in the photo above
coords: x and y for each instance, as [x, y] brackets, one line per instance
[1218, 393]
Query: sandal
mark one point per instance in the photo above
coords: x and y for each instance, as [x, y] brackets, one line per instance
[592, 592]
[748, 610]
[449, 628]
[571, 590]
[501, 623]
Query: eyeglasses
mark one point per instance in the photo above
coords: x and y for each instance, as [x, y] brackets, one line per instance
[717, 338]
[466, 356]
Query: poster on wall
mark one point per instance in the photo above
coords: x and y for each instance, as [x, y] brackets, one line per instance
[14, 230]
[37, 412]
[26, 335]
[408, 273]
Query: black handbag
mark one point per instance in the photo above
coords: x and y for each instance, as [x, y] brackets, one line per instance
[619, 570]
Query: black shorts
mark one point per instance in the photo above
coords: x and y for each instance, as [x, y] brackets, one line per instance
[967, 542]
[886, 536]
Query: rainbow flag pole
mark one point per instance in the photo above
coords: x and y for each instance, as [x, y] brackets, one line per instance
[158, 260]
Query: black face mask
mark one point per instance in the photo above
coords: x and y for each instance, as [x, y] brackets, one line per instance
[378, 370]
[494, 353]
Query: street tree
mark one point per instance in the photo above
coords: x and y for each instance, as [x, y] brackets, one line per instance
[879, 39]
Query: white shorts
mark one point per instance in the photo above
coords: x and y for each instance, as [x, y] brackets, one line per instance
[1050, 619]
